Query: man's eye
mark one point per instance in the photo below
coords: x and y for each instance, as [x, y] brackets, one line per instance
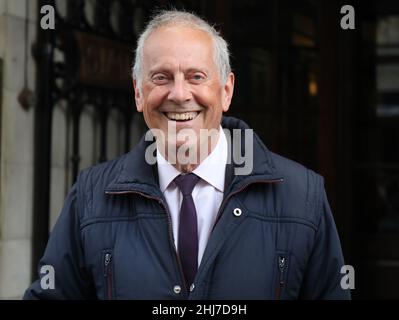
[198, 77]
[159, 78]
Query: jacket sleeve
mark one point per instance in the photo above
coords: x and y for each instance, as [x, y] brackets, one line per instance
[323, 278]
[64, 254]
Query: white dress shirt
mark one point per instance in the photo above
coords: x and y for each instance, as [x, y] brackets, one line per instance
[207, 193]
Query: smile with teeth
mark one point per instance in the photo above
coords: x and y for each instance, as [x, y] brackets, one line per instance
[182, 116]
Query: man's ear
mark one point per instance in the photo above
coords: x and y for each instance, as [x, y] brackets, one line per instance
[227, 93]
[137, 97]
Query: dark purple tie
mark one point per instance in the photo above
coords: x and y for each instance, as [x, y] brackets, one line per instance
[188, 234]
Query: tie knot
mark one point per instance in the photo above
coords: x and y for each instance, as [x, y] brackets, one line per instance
[186, 183]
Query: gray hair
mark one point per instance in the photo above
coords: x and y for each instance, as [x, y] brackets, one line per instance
[175, 17]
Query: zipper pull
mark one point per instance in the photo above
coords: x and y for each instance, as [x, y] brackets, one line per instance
[107, 260]
[281, 265]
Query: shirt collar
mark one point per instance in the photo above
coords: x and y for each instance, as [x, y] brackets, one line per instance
[166, 172]
[211, 170]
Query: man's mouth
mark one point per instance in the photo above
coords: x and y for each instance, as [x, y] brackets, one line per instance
[178, 116]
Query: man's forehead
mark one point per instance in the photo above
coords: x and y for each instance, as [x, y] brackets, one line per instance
[179, 34]
[182, 46]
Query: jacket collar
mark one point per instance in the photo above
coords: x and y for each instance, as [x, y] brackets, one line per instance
[263, 168]
[135, 174]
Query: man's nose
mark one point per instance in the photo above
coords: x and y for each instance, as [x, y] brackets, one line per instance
[180, 91]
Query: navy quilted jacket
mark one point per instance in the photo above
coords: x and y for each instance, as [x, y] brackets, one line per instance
[113, 239]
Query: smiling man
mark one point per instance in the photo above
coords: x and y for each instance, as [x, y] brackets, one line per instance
[197, 229]
[179, 85]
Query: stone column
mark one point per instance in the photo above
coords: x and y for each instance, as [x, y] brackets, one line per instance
[16, 141]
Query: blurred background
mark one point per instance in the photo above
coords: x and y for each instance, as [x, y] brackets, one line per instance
[321, 95]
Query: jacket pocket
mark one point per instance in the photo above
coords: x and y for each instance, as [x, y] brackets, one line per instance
[107, 262]
[282, 267]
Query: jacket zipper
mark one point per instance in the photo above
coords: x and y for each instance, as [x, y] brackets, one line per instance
[282, 262]
[170, 229]
[224, 202]
[108, 275]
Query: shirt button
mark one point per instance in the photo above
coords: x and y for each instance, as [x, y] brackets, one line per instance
[177, 289]
[192, 287]
[237, 212]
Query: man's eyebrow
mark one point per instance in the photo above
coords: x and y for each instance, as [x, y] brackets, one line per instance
[191, 70]
[170, 70]
[159, 69]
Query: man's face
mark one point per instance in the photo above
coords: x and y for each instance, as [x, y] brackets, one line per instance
[181, 82]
